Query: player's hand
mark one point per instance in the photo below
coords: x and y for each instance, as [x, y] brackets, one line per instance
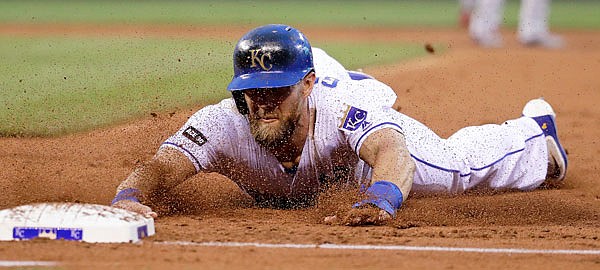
[366, 215]
[135, 207]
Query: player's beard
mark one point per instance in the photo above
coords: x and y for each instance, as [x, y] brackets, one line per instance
[271, 135]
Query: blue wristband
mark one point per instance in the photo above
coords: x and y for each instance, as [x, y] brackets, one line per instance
[385, 195]
[130, 194]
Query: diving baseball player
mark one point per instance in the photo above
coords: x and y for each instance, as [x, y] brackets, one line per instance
[298, 121]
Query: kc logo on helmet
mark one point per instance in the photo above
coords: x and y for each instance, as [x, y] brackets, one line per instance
[257, 56]
[354, 119]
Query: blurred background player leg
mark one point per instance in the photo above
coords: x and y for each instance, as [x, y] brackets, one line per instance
[485, 23]
[533, 25]
[465, 9]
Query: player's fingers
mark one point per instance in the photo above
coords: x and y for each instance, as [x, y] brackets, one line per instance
[144, 210]
[378, 219]
[136, 207]
[367, 216]
[371, 220]
[383, 216]
[151, 214]
[359, 216]
[355, 221]
[329, 220]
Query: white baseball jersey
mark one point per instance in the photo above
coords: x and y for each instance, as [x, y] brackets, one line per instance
[218, 139]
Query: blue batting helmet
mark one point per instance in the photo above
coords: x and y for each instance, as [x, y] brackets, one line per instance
[270, 56]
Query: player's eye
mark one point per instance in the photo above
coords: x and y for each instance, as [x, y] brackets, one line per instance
[269, 94]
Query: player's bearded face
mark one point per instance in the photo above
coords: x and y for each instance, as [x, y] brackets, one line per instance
[274, 114]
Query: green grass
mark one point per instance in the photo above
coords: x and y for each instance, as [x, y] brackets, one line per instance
[232, 12]
[58, 85]
[53, 86]
[564, 14]
[361, 55]
[572, 14]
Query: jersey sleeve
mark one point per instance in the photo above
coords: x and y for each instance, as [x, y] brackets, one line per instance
[207, 133]
[358, 123]
[362, 109]
[327, 66]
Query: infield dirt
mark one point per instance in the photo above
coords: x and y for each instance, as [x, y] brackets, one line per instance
[463, 85]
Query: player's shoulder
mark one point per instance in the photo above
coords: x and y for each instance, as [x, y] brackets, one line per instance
[348, 102]
[366, 92]
[327, 66]
[224, 107]
[222, 113]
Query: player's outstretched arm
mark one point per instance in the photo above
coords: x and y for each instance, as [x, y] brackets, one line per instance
[393, 169]
[167, 169]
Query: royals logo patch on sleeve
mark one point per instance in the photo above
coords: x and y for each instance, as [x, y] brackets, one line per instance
[195, 136]
[354, 119]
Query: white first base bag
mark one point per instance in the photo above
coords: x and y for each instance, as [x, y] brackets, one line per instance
[73, 221]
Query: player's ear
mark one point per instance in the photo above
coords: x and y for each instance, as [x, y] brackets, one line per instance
[308, 83]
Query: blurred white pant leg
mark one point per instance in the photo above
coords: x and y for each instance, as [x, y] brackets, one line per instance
[508, 156]
[534, 25]
[533, 19]
[512, 155]
[485, 22]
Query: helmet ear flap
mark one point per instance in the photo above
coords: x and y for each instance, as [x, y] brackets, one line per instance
[240, 102]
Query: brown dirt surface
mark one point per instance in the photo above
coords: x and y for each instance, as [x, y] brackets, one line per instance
[459, 85]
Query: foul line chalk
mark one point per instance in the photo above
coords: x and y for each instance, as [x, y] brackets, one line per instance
[25, 263]
[375, 247]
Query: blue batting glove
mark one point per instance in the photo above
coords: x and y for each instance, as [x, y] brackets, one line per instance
[385, 195]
